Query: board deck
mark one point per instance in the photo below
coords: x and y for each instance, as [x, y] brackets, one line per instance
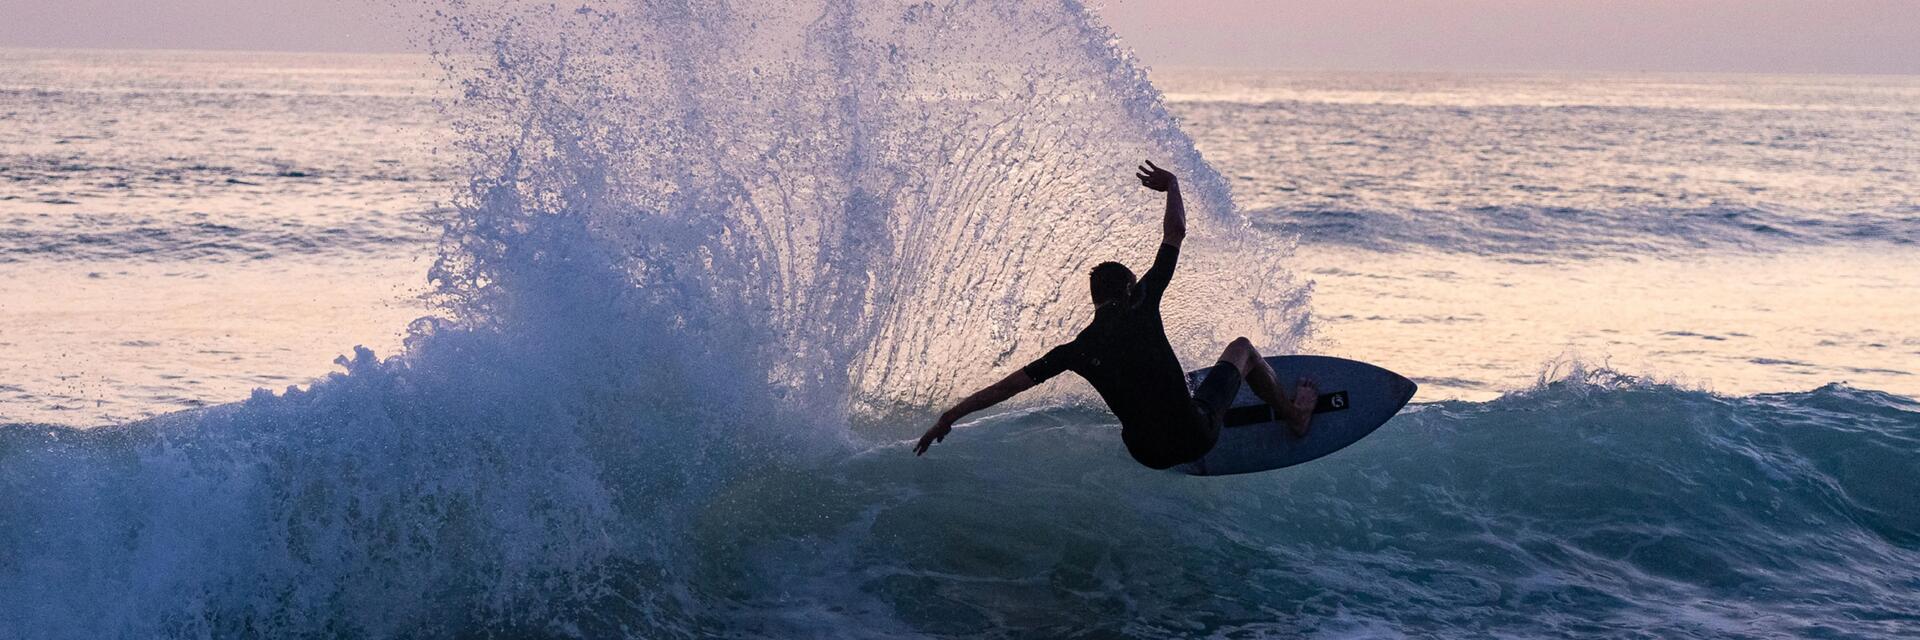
[1355, 399]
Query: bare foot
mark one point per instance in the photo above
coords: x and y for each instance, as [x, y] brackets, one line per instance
[1306, 394]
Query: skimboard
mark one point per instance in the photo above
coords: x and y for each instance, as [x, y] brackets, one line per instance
[1355, 399]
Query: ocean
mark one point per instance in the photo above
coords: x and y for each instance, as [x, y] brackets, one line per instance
[619, 323]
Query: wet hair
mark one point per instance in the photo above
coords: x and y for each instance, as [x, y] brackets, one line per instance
[1109, 281]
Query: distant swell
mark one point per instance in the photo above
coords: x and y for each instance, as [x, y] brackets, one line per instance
[1562, 232]
[106, 238]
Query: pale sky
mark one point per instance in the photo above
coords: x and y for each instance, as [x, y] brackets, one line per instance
[1780, 36]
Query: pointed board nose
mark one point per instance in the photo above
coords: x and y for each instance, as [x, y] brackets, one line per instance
[1403, 389]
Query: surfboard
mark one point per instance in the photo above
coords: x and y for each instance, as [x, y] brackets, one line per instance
[1355, 399]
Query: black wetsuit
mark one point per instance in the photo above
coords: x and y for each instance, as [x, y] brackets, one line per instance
[1124, 354]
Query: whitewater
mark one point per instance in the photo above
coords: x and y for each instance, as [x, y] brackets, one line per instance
[654, 293]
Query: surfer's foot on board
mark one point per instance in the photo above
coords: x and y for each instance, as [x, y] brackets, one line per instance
[1306, 393]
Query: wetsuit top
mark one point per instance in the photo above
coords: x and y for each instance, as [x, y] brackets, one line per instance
[1124, 354]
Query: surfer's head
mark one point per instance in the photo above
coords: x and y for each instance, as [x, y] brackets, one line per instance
[1109, 281]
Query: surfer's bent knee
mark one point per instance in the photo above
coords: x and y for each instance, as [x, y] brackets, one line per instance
[1239, 353]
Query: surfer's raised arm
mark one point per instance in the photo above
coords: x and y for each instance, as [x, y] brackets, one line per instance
[1173, 228]
[993, 394]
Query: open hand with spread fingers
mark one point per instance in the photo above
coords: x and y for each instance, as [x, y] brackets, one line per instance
[1155, 178]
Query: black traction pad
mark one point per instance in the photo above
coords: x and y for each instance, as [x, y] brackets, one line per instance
[1262, 414]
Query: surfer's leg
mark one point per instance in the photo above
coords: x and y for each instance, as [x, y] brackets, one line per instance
[1297, 411]
[1253, 369]
[1214, 396]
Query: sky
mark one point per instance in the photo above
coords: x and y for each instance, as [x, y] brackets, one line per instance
[1762, 36]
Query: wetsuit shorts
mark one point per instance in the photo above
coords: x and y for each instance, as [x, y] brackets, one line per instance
[1187, 440]
[1216, 393]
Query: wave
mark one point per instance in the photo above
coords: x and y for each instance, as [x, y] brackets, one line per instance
[97, 238]
[1595, 505]
[1585, 507]
[1567, 233]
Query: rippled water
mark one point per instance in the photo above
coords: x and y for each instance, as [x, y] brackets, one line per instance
[1441, 215]
[696, 271]
[179, 228]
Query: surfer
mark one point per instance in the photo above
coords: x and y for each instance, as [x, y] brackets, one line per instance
[1125, 355]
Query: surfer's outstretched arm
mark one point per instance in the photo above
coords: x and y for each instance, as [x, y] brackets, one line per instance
[993, 394]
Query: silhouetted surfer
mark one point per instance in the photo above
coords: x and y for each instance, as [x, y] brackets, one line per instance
[1124, 354]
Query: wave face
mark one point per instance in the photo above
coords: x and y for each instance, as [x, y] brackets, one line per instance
[1594, 506]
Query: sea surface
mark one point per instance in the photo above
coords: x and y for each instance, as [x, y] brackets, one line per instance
[616, 322]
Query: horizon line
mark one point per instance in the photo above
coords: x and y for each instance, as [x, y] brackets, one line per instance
[1134, 54]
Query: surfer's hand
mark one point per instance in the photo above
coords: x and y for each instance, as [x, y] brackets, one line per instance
[937, 433]
[1156, 178]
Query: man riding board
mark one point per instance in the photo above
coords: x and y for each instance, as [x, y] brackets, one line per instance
[1125, 355]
